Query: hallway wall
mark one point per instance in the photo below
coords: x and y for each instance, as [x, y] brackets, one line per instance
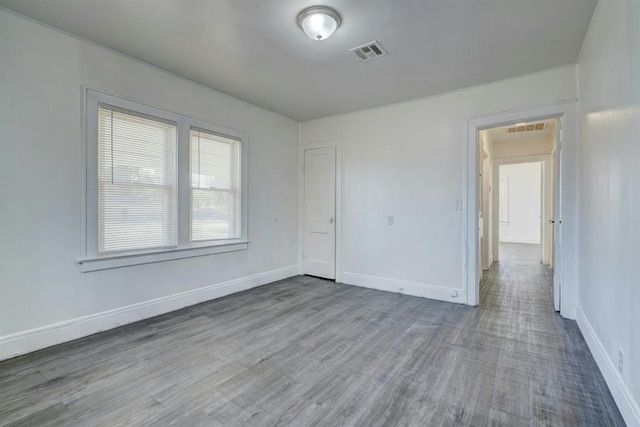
[539, 146]
[609, 297]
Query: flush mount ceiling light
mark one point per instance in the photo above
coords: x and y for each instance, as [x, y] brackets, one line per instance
[319, 22]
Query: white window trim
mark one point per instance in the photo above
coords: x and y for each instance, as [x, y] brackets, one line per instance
[117, 261]
[90, 259]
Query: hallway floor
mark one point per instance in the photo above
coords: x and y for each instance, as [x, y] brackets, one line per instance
[306, 351]
[520, 252]
[557, 375]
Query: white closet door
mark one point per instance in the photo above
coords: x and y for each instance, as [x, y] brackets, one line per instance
[319, 246]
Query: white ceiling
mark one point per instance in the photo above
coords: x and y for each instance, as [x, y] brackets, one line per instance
[501, 134]
[253, 49]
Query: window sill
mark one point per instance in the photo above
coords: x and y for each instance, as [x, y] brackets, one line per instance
[117, 261]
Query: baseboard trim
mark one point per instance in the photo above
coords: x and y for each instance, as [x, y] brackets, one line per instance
[46, 336]
[516, 240]
[416, 289]
[628, 407]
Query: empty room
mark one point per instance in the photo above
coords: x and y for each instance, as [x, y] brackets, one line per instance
[240, 212]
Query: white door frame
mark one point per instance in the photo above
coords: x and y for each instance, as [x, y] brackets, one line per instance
[337, 144]
[547, 161]
[567, 111]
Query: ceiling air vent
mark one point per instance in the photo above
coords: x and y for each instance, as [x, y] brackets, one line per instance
[524, 127]
[369, 51]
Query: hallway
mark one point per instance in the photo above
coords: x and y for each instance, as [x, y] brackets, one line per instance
[546, 363]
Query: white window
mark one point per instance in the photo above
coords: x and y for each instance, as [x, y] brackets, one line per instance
[214, 186]
[136, 182]
[160, 185]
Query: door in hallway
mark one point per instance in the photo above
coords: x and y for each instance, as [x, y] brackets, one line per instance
[557, 218]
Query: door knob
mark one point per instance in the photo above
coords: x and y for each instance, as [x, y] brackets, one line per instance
[551, 221]
[330, 220]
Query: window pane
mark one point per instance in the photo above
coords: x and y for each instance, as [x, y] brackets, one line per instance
[137, 181]
[211, 215]
[134, 217]
[211, 161]
[214, 178]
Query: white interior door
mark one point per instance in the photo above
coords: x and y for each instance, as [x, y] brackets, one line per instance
[543, 240]
[557, 219]
[319, 232]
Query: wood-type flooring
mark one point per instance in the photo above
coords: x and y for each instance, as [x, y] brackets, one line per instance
[306, 351]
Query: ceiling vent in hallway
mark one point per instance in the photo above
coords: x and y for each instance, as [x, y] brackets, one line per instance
[369, 51]
[525, 127]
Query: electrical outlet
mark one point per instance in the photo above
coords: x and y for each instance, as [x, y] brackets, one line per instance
[620, 361]
[390, 220]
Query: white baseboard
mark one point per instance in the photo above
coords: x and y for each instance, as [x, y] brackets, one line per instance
[517, 240]
[416, 289]
[68, 330]
[628, 407]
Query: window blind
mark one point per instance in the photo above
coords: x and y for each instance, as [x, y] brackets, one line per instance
[214, 186]
[136, 182]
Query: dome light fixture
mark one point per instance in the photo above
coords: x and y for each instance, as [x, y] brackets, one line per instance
[319, 22]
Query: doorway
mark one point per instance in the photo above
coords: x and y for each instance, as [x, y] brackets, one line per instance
[520, 211]
[517, 193]
[519, 203]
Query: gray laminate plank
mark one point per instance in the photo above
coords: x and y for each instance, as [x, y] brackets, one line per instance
[306, 351]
